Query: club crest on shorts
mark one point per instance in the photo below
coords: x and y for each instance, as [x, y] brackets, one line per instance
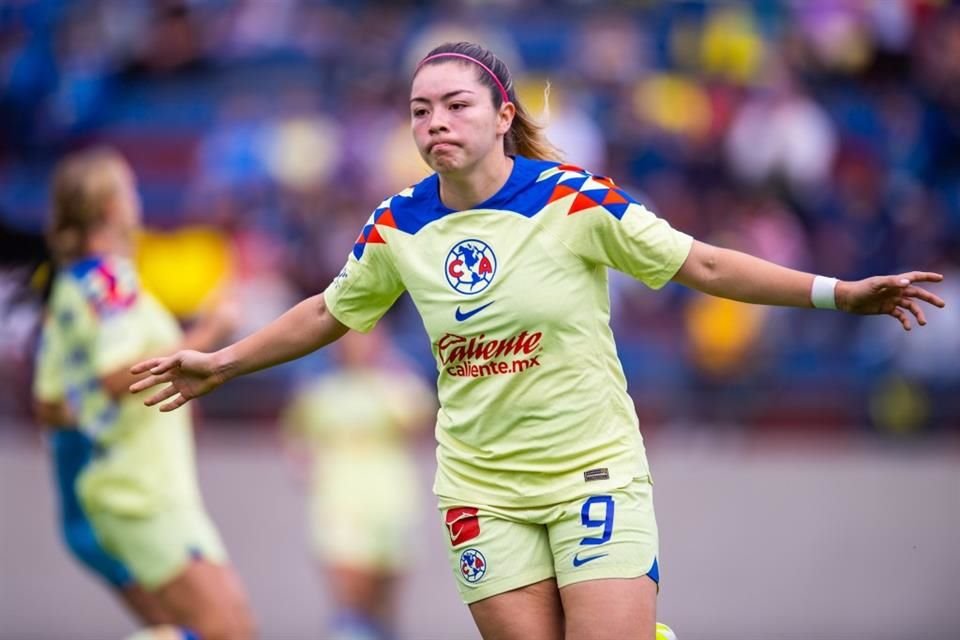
[470, 266]
[473, 566]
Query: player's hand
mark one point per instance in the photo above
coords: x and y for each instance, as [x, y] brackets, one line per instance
[190, 373]
[896, 296]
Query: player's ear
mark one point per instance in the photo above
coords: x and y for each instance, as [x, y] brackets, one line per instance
[505, 117]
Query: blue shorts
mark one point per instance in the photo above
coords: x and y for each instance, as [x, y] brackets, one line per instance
[70, 451]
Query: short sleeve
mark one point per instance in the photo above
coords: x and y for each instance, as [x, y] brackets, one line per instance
[605, 225]
[367, 286]
[638, 243]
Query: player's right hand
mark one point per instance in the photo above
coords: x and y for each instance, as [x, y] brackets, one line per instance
[190, 373]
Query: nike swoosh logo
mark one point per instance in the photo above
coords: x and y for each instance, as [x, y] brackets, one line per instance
[578, 561]
[466, 315]
[455, 535]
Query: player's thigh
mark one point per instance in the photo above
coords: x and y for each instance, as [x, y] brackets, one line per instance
[533, 612]
[208, 599]
[83, 543]
[605, 547]
[608, 535]
[611, 609]
[503, 568]
[146, 606]
[177, 555]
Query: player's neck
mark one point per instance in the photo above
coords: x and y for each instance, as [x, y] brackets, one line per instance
[465, 190]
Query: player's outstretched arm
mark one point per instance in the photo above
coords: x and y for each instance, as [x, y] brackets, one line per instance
[740, 276]
[301, 330]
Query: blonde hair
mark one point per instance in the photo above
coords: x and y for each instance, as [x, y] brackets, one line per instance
[82, 184]
[525, 136]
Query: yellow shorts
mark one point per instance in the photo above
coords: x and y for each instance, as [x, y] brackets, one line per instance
[369, 540]
[364, 514]
[493, 550]
[157, 548]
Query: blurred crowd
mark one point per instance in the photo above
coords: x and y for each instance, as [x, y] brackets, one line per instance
[820, 134]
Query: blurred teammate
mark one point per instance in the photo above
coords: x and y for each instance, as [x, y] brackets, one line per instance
[132, 470]
[358, 421]
[542, 476]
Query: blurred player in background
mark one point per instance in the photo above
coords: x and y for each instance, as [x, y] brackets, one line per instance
[359, 421]
[131, 506]
[542, 477]
[70, 449]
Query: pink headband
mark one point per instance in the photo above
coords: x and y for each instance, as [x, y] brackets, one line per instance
[503, 91]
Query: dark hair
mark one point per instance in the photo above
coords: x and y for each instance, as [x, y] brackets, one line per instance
[25, 260]
[525, 137]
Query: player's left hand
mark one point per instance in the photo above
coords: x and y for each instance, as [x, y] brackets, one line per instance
[895, 296]
[191, 374]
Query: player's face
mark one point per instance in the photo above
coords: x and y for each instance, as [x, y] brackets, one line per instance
[455, 124]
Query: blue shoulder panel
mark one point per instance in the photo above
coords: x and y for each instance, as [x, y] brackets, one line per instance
[80, 269]
[522, 194]
[533, 184]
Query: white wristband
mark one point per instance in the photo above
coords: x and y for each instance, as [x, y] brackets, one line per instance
[823, 292]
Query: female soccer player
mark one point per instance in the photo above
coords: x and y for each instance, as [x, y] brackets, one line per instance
[542, 477]
[70, 449]
[139, 489]
[358, 421]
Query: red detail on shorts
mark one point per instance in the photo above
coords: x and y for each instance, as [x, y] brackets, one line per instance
[463, 524]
